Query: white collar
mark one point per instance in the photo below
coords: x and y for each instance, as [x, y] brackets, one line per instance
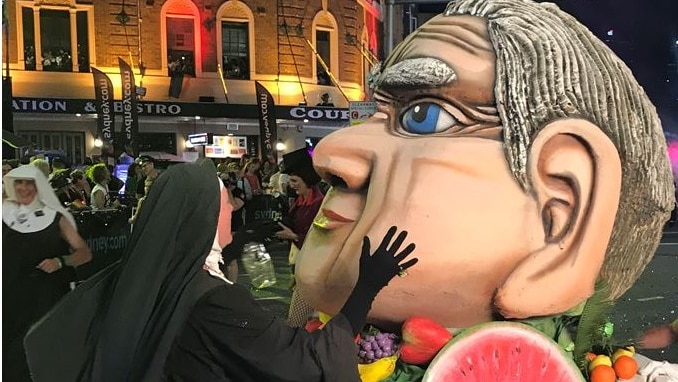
[29, 218]
[213, 260]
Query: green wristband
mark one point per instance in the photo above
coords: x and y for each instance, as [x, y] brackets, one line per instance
[62, 261]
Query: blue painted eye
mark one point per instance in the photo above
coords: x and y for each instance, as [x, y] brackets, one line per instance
[427, 118]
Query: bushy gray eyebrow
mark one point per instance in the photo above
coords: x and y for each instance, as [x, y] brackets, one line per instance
[417, 72]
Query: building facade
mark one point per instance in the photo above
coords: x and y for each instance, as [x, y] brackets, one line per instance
[195, 64]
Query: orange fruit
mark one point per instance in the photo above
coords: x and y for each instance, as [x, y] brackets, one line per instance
[621, 352]
[625, 367]
[602, 373]
[600, 360]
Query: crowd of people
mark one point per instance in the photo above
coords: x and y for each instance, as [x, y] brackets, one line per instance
[159, 339]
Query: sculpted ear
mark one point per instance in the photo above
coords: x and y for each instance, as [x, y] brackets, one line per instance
[576, 177]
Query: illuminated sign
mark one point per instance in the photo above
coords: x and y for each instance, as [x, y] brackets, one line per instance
[226, 146]
[200, 139]
[179, 109]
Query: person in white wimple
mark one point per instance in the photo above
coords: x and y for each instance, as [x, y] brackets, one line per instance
[41, 245]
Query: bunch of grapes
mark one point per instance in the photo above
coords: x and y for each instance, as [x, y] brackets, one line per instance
[375, 347]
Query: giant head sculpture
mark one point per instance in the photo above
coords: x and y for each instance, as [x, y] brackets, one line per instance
[520, 154]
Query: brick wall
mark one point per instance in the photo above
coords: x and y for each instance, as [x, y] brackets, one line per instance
[275, 52]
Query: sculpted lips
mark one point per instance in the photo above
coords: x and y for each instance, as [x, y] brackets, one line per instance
[329, 219]
[335, 216]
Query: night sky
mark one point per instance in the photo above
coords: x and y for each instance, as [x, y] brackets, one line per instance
[645, 36]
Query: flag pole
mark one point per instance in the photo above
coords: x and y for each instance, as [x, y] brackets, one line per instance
[223, 82]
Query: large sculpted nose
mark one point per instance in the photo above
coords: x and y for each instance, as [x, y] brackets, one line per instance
[346, 158]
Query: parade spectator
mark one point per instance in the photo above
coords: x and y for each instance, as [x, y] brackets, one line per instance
[40, 246]
[303, 180]
[222, 168]
[325, 100]
[147, 188]
[115, 184]
[251, 178]
[42, 164]
[243, 161]
[147, 165]
[660, 336]
[6, 167]
[134, 176]
[100, 197]
[268, 169]
[80, 183]
[57, 165]
[63, 188]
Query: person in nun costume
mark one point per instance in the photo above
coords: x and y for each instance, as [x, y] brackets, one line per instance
[165, 312]
[41, 245]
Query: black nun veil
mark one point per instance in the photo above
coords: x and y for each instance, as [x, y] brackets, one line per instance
[119, 325]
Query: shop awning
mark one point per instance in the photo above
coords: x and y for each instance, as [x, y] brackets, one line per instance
[15, 141]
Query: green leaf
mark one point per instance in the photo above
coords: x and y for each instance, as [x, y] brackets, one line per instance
[406, 373]
[593, 328]
[554, 327]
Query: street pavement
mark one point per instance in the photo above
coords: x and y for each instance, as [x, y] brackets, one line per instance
[653, 299]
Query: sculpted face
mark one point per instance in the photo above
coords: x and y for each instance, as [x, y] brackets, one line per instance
[432, 162]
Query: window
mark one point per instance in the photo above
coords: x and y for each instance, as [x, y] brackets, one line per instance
[180, 39]
[180, 46]
[70, 143]
[322, 46]
[326, 42]
[55, 38]
[235, 50]
[235, 33]
[83, 46]
[29, 38]
[46, 36]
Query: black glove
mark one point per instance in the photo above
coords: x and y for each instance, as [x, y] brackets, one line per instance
[375, 273]
[257, 232]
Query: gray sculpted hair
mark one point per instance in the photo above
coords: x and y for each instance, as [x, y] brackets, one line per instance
[550, 66]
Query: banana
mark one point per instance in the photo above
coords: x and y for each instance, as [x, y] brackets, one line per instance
[377, 371]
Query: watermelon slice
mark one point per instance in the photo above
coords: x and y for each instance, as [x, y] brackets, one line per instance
[502, 351]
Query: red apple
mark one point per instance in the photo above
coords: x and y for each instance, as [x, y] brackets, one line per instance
[313, 324]
[422, 339]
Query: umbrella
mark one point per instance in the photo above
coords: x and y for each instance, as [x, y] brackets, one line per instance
[15, 141]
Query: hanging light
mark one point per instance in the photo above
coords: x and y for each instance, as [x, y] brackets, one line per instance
[98, 142]
[280, 145]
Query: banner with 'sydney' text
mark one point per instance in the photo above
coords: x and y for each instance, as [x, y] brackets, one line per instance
[103, 92]
[268, 129]
[130, 117]
[106, 234]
